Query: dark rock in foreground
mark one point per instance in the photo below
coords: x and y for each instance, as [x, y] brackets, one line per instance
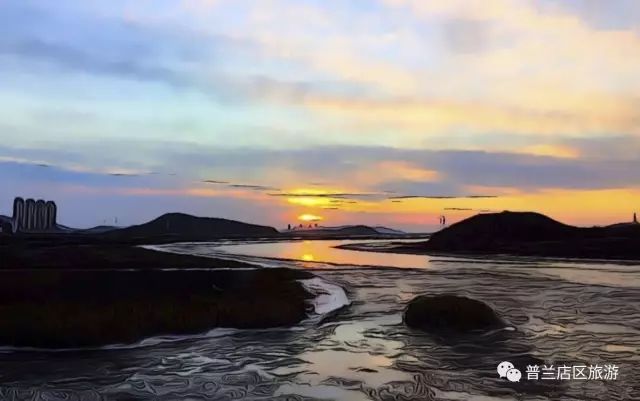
[450, 314]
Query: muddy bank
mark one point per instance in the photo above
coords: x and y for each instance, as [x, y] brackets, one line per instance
[66, 309]
[65, 294]
[34, 254]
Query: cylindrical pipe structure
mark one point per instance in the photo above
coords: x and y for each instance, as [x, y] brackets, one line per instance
[39, 218]
[30, 206]
[18, 214]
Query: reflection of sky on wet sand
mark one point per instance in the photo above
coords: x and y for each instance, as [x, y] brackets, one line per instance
[324, 251]
[363, 352]
[633, 351]
[561, 310]
[623, 276]
[340, 355]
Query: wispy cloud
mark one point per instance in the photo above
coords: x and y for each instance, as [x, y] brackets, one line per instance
[393, 107]
[332, 195]
[443, 197]
[253, 187]
[215, 182]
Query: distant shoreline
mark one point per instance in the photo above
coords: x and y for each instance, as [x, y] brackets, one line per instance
[399, 249]
[181, 227]
[523, 234]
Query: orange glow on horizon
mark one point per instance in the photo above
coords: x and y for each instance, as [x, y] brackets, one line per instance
[552, 151]
[309, 217]
[309, 201]
[312, 197]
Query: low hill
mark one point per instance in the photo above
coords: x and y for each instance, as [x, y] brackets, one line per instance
[343, 231]
[532, 234]
[5, 225]
[98, 229]
[387, 230]
[186, 227]
[484, 230]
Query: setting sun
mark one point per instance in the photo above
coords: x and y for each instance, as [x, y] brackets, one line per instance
[309, 217]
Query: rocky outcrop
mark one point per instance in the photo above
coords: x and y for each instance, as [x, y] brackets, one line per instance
[450, 314]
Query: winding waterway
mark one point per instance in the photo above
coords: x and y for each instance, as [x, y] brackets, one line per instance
[560, 313]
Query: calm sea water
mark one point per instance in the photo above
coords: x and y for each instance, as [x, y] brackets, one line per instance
[562, 313]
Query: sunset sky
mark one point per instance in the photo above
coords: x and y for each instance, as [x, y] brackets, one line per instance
[389, 112]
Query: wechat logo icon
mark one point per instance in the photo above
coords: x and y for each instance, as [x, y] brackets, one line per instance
[507, 370]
